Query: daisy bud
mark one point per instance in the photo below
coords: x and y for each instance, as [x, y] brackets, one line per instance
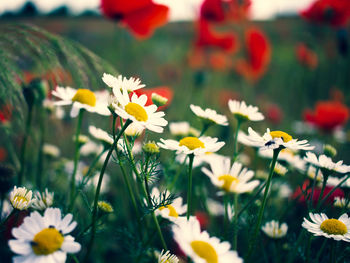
[329, 150]
[159, 100]
[150, 148]
[105, 207]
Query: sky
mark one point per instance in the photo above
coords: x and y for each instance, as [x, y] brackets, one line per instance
[179, 9]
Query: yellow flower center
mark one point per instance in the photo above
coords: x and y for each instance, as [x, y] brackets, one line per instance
[137, 111]
[191, 143]
[333, 227]
[172, 210]
[47, 241]
[205, 250]
[85, 96]
[280, 134]
[228, 180]
[19, 198]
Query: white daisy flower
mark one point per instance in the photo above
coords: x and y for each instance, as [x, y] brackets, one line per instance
[171, 211]
[182, 129]
[82, 99]
[209, 115]
[334, 181]
[51, 150]
[243, 112]
[229, 178]
[199, 160]
[326, 163]
[320, 225]
[135, 110]
[134, 130]
[192, 145]
[341, 202]
[44, 238]
[49, 105]
[200, 247]
[311, 173]
[277, 139]
[280, 169]
[167, 257]
[121, 82]
[43, 200]
[91, 148]
[101, 135]
[21, 198]
[215, 208]
[274, 229]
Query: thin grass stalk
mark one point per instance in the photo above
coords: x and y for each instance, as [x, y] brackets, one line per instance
[189, 191]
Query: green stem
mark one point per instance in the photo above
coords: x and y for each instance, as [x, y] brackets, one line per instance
[98, 189]
[313, 188]
[321, 249]
[189, 192]
[22, 157]
[226, 220]
[332, 191]
[146, 180]
[235, 221]
[308, 247]
[325, 179]
[262, 208]
[178, 172]
[332, 256]
[76, 159]
[251, 201]
[293, 252]
[235, 150]
[205, 128]
[40, 161]
[155, 220]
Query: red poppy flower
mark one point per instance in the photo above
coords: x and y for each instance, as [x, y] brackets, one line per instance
[306, 56]
[333, 12]
[207, 37]
[259, 54]
[327, 115]
[211, 10]
[3, 154]
[317, 192]
[203, 219]
[163, 91]
[141, 16]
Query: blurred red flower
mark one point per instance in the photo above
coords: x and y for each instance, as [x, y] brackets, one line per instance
[259, 54]
[306, 56]
[327, 115]
[219, 61]
[141, 16]
[5, 114]
[225, 95]
[211, 10]
[163, 91]
[299, 196]
[274, 113]
[203, 219]
[207, 37]
[3, 154]
[333, 12]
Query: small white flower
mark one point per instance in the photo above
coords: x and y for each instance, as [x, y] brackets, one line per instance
[192, 145]
[42, 200]
[215, 208]
[171, 211]
[51, 150]
[134, 130]
[274, 229]
[134, 109]
[44, 238]
[277, 139]
[91, 148]
[182, 129]
[82, 99]
[320, 225]
[326, 163]
[230, 178]
[21, 198]
[311, 173]
[159, 100]
[280, 169]
[334, 181]
[199, 246]
[167, 257]
[243, 112]
[341, 202]
[199, 160]
[100, 135]
[121, 82]
[209, 115]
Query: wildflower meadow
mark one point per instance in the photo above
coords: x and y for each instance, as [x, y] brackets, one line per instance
[126, 136]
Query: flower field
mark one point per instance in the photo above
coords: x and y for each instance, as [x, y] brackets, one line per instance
[128, 138]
